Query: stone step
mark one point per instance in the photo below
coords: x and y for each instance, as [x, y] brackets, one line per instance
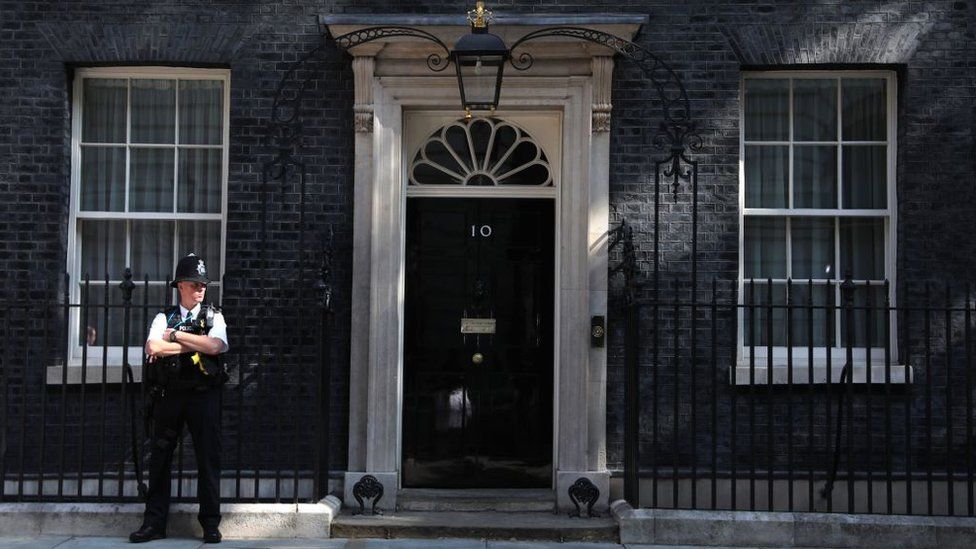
[505, 500]
[479, 525]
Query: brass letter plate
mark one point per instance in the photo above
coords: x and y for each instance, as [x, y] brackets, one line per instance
[477, 325]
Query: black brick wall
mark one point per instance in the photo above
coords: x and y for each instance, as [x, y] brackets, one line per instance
[931, 44]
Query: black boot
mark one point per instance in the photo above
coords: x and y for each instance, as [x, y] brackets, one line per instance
[211, 535]
[147, 533]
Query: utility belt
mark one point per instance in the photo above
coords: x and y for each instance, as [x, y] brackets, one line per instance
[185, 372]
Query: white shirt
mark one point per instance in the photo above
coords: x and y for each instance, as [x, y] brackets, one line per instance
[218, 331]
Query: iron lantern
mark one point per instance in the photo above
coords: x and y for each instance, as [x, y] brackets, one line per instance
[479, 58]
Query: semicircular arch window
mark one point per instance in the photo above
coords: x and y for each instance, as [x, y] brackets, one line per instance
[481, 152]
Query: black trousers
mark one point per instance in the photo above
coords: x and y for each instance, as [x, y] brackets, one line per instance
[200, 412]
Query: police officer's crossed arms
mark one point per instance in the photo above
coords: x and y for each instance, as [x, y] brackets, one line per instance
[184, 375]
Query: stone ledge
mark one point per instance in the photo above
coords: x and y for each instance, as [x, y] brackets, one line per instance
[240, 520]
[776, 529]
[487, 525]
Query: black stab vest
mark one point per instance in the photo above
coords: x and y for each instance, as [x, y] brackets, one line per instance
[195, 369]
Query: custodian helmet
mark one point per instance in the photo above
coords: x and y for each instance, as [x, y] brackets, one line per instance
[191, 269]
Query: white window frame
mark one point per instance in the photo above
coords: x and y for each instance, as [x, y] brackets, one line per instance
[113, 357]
[753, 363]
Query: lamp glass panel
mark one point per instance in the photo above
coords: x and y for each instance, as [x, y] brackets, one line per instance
[479, 78]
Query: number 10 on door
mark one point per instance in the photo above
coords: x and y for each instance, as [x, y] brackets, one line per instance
[483, 231]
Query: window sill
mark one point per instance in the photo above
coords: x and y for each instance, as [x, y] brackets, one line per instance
[93, 374]
[743, 374]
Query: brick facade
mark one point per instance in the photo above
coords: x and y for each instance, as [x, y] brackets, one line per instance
[929, 44]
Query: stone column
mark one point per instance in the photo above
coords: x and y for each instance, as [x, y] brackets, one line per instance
[594, 471]
[362, 68]
[361, 460]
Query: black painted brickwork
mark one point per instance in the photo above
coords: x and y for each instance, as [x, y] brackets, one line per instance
[931, 44]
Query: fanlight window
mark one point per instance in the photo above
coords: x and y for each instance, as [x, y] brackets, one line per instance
[480, 152]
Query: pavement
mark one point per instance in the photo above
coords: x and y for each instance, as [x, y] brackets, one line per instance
[60, 542]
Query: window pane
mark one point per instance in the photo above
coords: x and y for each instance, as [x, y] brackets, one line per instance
[865, 101]
[200, 180]
[457, 140]
[810, 315]
[862, 248]
[757, 315]
[97, 331]
[481, 130]
[103, 113]
[151, 180]
[814, 110]
[869, 317]
[153, 111]
[767, 109]
[201, 112]
[865, 176]
[152, 249]
[815, 176]
[102, 249]
[813, 247]
[767, 176]
[765, 247]
[203, 239]
[102, 179]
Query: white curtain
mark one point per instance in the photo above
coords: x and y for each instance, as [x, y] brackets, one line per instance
[103, 179]
[163, 177]
[153, 111]
[814, 176]
[864, 109]
[150, 179]
[767, 176]
[814, 109]
[104, 110]
[865, 176]
[200, 179]
[767, 109]
[201, 112]
[155, 114]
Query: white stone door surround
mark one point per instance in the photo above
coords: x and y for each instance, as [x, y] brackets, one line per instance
[569, 79]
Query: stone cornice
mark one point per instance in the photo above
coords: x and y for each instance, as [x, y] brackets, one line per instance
[509, 27]
[460, 19]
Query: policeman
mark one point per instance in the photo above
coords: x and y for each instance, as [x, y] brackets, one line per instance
[184, 373]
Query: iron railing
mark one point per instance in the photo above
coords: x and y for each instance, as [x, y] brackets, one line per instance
[871, 412]
[64, 440]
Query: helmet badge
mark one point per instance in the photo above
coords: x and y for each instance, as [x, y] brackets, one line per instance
[201, 269]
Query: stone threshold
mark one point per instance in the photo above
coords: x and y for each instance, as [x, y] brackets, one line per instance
[778, 529]
[239, 520]
[510, 500]
[486, 525]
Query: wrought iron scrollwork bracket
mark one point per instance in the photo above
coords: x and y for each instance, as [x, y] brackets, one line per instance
[623, 235]
[435, 61]
[677, 132]
[368, 488]
[584, 492]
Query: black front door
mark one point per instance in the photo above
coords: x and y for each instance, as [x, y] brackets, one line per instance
[478, 349]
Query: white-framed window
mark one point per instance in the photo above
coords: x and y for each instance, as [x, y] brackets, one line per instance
[817, 200]
[149, 160]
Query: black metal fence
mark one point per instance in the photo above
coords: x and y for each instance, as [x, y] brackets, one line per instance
[68, 440]
[797, 396]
